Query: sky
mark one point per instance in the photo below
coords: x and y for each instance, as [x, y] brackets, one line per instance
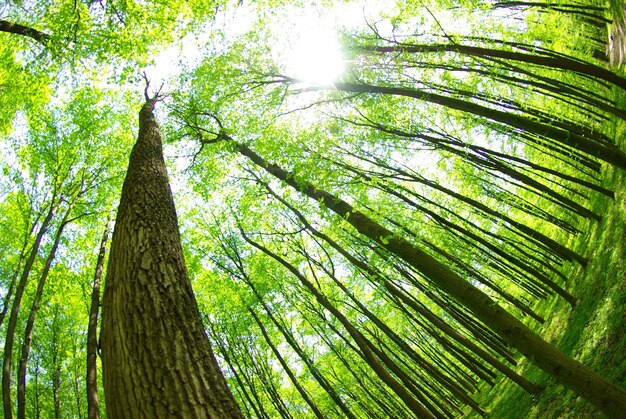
[305, 39]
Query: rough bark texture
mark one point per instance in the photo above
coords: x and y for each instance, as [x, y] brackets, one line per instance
[93, 409]
[157, 361]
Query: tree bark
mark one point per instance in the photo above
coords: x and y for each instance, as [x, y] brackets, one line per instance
[18, 29]
[157, 361]
[93, 409]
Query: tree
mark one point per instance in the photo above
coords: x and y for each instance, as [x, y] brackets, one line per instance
[15, 308]
[605, 395]
[154, 349]
[384, 247]
[93, 410]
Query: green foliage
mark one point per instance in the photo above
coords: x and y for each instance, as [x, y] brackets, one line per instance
[424, 171]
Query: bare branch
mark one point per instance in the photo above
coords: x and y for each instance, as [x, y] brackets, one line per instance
[145, 92]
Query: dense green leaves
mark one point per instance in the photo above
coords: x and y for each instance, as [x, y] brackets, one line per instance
[480, 138]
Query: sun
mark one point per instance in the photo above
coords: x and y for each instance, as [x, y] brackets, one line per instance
[312, 53]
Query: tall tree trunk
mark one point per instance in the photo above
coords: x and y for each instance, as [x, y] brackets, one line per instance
[316, 411]
[15, 310]
[405, 390]
[56, 367]
[397, 294]
[37, 403]
[554, 61]
[607, 152]
[77, 384]
[7, 298]
[606, 396]
[157, 361]
[306, 359]
[93, 410]
[30, 323]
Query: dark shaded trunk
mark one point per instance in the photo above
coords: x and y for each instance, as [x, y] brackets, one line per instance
[22, 30]
[15, 309]
[428, 367]
[93, 409]
[30, 323]
[372, 275]
[505, 257]
[607, 152]
[157, 361]
[550, 61]
[608, 397]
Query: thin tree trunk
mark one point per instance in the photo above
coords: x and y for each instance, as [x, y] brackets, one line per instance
[56, 372]
[16, 273]
[606, 396]
[288, 371]
[550, 61]
[428, 367]
[606, 152]
[375, 278]
[30, 323]
[93, 409]
[37, 403]
[77, 386]
[15, 309]
[369, 352]
[306, 359]
[157, 361]
[244, 388]
[530, 233]
[7, 298]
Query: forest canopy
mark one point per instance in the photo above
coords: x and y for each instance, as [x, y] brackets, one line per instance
[311, 209]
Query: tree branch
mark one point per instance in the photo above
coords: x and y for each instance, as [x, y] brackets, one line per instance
[18, 29]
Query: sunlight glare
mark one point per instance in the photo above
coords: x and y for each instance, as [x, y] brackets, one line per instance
[314, 56]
